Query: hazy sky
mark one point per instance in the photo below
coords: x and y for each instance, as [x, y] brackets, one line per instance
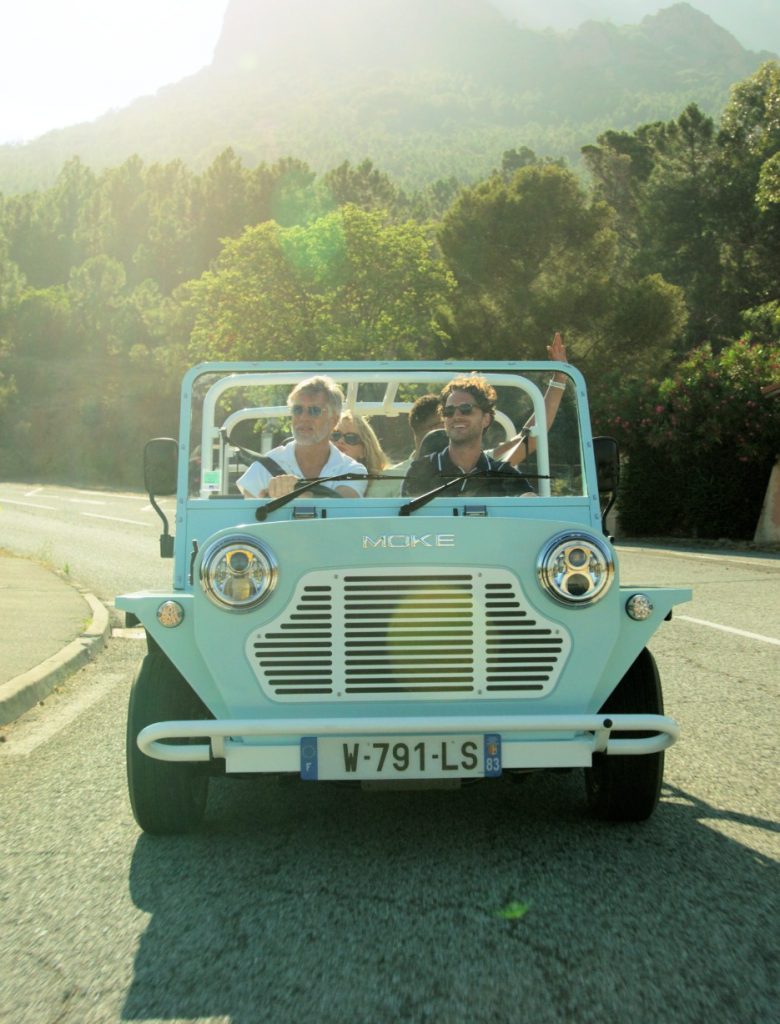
[65, 61]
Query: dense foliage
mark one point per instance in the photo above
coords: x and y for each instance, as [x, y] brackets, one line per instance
[112, 282]
[700, 449]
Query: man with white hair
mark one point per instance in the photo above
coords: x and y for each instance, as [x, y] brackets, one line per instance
[315, 409]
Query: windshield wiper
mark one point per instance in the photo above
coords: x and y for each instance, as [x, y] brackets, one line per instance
[263, 511]
[423, 499]
[492, 474]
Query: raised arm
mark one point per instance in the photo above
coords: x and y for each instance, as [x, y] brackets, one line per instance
[519, 447]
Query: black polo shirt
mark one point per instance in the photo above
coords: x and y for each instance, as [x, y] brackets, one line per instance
[437, 468]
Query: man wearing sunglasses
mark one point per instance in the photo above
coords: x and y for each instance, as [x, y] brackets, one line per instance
[467, 405]
[315, 408]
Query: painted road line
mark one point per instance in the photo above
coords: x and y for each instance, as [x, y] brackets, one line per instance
[27, 504]
[61, 711]
[116, 519]
[764, 558]
[730, 629]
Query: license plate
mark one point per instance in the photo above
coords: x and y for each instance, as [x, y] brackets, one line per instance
[401, 757]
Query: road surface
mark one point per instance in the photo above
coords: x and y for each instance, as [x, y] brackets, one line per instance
[499, 902]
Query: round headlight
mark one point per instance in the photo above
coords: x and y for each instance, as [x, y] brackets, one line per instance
[237, 572]
[575, 568]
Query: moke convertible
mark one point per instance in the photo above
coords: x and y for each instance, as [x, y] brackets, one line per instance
[386, 638]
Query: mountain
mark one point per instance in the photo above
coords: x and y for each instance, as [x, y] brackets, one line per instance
[425, 88]
[755, 23]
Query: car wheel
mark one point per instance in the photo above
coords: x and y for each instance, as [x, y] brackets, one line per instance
[167, 797]
[626, 788]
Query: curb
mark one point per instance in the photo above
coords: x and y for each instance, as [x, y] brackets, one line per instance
[26, 690]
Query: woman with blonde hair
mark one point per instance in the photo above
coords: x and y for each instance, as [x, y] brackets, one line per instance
[354, 436]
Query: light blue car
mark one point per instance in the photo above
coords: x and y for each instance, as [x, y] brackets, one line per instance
[384, 638]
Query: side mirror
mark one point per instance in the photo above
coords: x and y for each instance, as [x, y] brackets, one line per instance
[161, 463]
[607, 454]
[161, 466]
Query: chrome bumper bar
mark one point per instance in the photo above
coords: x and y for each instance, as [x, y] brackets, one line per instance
[570, 740]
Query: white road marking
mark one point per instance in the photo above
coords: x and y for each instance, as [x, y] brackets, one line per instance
[128, 633]
[116, 519]
[29, 735]
[34, 491]
[761, 557]
[27, 504]
[730, 629]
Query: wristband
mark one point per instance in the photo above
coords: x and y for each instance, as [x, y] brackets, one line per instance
[555, 384]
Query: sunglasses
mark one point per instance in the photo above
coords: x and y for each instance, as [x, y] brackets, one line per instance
[348, 438]
[465, 409]
[310, 410]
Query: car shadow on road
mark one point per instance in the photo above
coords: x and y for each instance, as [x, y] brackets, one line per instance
[326, 903]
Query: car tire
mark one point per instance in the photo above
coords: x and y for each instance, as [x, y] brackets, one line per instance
[627, 787]
[167, 797]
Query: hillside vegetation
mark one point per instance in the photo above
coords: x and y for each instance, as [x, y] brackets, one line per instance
[426, 91]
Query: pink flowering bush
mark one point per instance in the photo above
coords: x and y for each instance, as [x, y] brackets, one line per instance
[698, 447]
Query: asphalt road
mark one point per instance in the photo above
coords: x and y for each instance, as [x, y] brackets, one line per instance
[324, 903]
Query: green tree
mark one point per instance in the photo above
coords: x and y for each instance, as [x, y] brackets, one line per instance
[532, 255]
[221, 205]
[166, 254]
[749, 140]
[620, 164]
[11, 284]
[364, 186]
[350, 285]
[679, 231]
[115, 222]
[700, 206]
[285, 192]
[43, 229]
[96, 292]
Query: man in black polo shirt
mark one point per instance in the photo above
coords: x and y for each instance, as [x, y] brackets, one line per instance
[467, 405]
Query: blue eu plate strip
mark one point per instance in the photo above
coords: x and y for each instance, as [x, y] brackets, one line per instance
[492, 755]
[309, 758]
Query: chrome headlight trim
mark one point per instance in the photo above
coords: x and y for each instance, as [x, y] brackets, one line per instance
[575, 568]
[238, 572]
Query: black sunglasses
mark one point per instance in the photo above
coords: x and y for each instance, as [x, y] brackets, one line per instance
[348, 438]
[312, 410]
[465, 409]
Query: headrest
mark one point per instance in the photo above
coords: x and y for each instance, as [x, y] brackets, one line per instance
[434, 441]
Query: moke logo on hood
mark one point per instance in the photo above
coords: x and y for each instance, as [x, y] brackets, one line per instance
[410, 540]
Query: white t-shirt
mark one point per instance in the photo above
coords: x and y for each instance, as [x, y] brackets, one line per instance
[257, 476]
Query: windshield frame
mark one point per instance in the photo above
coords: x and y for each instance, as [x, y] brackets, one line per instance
[210, 436]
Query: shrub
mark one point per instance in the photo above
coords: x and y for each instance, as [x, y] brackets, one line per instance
[699, 446]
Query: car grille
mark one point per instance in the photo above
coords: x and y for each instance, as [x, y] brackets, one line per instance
[415, 634]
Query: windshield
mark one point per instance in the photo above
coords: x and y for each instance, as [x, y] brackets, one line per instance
[241, 418]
